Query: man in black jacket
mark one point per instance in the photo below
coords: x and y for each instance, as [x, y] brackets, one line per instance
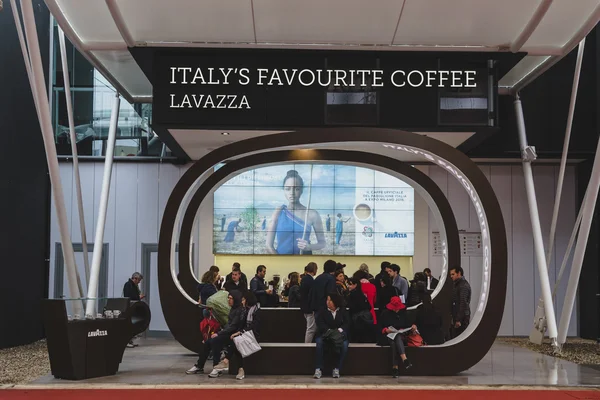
[243, 278]
[305, 286]
[131, 289]
[322, 286]
[235, 283]
[258, 286]
[219, 340]
[461, 301]
[431, 281]
[332, 331]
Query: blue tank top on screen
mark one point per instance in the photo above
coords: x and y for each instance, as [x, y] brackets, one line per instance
[289, 229]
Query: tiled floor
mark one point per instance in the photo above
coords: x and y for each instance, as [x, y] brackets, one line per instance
[164, 361]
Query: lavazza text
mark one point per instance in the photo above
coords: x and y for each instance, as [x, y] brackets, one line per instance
[330, 78]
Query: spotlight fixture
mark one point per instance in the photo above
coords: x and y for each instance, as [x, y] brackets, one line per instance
[225, 133]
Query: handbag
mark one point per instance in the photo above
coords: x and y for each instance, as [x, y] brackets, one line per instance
[246, 343]
[362, 318]
[415, 340]
[335, 338]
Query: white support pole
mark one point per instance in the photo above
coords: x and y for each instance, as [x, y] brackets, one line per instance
[38, 85]
[563, 160]
[90, 310]
[73, 136]
[528, 155]
[584, 230]
[563, 266]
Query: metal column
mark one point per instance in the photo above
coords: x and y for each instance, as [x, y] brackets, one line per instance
[73, 136]
[33, 59]
[90, 310]
[587, 215]
[528, 155]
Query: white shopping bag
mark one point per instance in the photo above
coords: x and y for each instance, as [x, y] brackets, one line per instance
[246, 343]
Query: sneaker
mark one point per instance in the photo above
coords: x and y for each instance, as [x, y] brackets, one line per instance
[336, 373]
[223, 365]
[240, 374]
[317, 374]
[215, 373]
[395, 373]
[407, 364]
[130, 345]
[194, 370]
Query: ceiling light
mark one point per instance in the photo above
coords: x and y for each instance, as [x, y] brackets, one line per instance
[224, 133]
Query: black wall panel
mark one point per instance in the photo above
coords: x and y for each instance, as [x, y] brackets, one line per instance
[24, 189]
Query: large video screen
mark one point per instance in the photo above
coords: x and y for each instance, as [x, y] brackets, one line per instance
[314, 209]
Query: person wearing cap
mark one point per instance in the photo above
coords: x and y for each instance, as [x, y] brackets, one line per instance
[393, 319]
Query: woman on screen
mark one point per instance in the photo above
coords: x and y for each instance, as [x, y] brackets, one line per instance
[292, 224]
[231, 228]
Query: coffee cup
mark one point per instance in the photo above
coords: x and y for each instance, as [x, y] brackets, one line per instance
[362, 212]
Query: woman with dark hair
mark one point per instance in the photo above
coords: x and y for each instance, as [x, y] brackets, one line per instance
[251, 323]
[414, 296]
[428, 319]
[294, 290]
[208, 285]
[292, 224]
[340, 283]
[332, 331]
[386, 292]
[221, 279]
[393, 319]
[360, 313]
[368, 289]
[221, 339]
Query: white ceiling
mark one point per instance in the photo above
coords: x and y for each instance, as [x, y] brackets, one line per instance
[103, 30]
[197, 143]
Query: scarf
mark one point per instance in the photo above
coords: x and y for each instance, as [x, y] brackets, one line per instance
[251, 311]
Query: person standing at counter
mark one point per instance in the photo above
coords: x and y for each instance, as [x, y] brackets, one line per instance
[243, 279]
[132, 291]
[431, 281]
[258, 286]
[305, 301]
[322, 286]
[292, 224]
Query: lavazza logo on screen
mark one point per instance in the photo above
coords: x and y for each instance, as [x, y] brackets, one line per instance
[303, 209]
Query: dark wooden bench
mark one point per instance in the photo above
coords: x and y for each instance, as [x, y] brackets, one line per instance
[299, 359]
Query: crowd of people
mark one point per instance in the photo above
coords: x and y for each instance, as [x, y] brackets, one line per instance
[338, 309]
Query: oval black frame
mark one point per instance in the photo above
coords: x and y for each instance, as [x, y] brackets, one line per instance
[182, 317]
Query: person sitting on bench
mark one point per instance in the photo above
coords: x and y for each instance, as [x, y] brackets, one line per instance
[218, 341]
[394, 321]
[332, 331]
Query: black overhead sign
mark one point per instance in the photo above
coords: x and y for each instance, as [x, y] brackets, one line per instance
[283, 88]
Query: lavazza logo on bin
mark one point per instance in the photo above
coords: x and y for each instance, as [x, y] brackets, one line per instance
[97, 332]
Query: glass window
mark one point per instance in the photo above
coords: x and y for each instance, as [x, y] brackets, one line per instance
[92, 99]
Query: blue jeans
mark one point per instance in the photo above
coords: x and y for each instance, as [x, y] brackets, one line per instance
[320, 353]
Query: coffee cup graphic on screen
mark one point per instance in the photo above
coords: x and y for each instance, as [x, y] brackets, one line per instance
[362, 212]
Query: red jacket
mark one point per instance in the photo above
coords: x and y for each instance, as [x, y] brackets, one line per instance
[371, 292]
